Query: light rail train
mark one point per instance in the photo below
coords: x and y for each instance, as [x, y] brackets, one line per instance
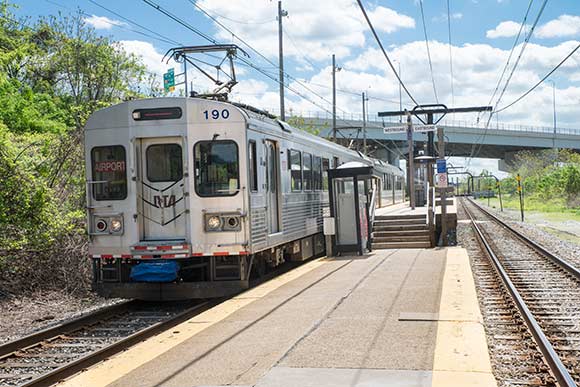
[190, 197]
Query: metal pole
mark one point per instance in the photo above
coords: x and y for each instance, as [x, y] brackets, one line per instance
[333, 98]
[499, 193]
[411, 160]
[364, 124]
[281, 13]
[441, 143]
[185, 76]
[430, 150]
[519, 180]
[554, 105]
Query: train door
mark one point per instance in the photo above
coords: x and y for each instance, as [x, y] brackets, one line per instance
[161, 189]
[272, 182]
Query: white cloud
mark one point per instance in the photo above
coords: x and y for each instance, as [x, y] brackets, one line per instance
[443, 17]
[563, 26]
[318, 28]
[505, 29]
[389, 21]
[149, 55]
[102, 22]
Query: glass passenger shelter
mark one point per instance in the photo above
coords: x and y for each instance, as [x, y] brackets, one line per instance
[351, 208]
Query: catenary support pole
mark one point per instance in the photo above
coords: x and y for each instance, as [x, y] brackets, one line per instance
[333, 97]
[364, 122]
[281, 13]
[411, 161]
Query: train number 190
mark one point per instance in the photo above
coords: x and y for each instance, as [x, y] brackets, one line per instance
[216, 114]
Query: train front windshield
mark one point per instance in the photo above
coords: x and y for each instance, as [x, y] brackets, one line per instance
[216, 168]
[109, 172]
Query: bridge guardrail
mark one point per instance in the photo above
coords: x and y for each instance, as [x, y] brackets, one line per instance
[372, 117]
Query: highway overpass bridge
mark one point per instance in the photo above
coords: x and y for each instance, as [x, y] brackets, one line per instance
[499, 141]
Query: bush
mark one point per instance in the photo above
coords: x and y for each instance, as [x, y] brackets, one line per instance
[42, 244]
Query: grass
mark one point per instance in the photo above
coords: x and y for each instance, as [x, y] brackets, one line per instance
[552, 210]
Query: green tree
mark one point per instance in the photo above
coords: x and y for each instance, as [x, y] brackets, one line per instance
[92, 71]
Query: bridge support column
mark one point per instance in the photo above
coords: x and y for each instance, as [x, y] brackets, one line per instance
[388, 156]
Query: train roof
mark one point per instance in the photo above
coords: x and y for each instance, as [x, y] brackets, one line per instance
[257, 117]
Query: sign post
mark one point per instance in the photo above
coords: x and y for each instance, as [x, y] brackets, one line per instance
[519, 180]
[169, 80]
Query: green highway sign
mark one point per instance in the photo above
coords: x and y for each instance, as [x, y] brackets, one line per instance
[169, 80]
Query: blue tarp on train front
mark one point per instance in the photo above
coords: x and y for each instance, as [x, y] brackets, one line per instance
[155, 271]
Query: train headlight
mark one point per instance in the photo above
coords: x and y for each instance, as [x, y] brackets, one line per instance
[213, 223]
[116, 225]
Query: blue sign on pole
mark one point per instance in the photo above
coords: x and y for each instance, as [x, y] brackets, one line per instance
[441, 166]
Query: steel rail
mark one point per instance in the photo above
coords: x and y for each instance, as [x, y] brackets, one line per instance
[92, 358]
[10, 347]
[554, 362]
[539, 248]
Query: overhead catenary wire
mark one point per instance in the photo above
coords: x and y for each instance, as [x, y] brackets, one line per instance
[159, 36]
[507, 63]
[154, 35]
[428, 51]
[286, 74]
[540, 81]
[180, 21]
[362, 8]
[524, 45]
[473, 153]
[211, 40]
[248, 22]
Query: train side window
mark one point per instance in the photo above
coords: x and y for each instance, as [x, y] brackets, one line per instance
[295, 170]
[109, 168]
[164, 163]
[253, 166]
[307, 171]
[316, 174]
[325, 167]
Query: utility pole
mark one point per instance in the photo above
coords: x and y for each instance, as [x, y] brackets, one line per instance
[430, 149]
[333, 97]
[443, 192]
[281, 14]
[410, 161]
[364, 128]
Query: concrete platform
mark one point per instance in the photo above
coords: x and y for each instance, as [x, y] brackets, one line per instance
[393, 318]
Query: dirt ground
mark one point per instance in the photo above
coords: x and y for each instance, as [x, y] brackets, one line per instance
[23, 315]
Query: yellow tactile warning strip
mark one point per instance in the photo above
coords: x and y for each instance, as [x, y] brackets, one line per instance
[461, 353]
[107, 372]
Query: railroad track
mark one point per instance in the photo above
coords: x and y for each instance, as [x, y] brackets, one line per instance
[544, 287]
[48, 356]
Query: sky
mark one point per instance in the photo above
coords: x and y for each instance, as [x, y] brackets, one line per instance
[483, 33]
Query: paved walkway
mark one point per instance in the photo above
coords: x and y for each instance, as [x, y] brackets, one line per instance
[393, 318]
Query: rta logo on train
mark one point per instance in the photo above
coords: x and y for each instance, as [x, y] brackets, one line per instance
[164, 201]
[191, 197]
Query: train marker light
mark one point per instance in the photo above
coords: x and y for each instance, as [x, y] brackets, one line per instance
[101, 225]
